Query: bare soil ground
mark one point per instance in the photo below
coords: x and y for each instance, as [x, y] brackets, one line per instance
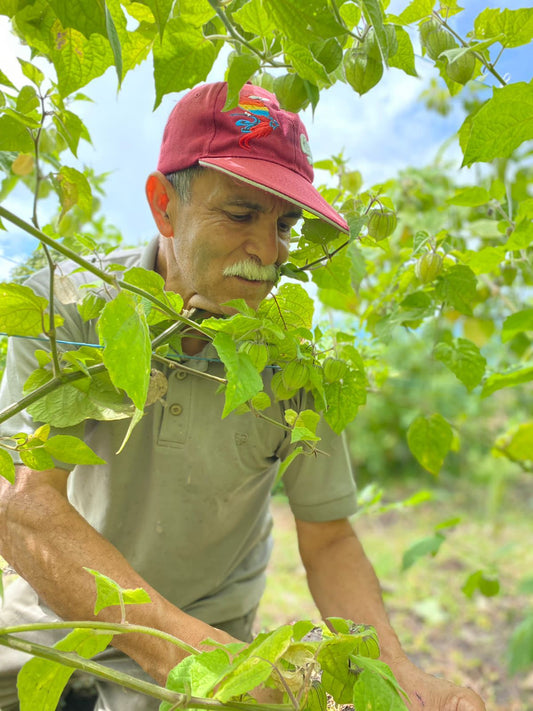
[443, 631]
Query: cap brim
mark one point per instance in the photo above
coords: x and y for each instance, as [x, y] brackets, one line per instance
[280, 181]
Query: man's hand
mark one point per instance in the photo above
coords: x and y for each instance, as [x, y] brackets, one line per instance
[428, 693]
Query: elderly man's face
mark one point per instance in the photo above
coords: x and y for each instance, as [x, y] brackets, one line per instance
[228, 241]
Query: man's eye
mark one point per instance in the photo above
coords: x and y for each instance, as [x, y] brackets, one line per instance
[284, 228]
[238, 217]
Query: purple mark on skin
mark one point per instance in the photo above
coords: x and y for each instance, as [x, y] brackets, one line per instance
[420, 699]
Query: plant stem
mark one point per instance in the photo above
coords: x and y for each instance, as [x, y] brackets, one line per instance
[237, 38]
[52, 384]
[117, 628]
[478, 55]
[179, 366]
[105, 276]
[71, 659]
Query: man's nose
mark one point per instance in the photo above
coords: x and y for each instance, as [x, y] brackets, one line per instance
[264, 242]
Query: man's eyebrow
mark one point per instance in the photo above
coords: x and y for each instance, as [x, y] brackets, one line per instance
[295, 212]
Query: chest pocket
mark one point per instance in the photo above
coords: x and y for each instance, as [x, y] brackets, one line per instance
[175, 414]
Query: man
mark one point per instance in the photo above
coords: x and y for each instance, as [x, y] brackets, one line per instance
[183, 511]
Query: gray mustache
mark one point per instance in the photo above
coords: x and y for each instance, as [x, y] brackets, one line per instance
[252, 271]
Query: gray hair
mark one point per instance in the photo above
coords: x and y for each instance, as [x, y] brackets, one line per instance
[182, 181]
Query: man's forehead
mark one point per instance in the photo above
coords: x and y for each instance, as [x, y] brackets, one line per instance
[238, 192]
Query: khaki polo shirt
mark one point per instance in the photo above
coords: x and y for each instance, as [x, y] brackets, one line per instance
[187, 500]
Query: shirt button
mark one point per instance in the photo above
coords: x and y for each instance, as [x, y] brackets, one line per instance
[181, 374]
[176, 409]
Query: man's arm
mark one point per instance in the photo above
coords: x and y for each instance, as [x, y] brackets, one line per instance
[343, 583]
[48, 543]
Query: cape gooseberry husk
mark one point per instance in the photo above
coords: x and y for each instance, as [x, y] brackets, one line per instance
[334, 369]
[295, 374]
[363, 67]
[291, 92]
[381, 224]
[428, 267]
[461, 69]
[435, 39]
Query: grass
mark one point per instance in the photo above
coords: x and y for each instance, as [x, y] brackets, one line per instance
[447, 633]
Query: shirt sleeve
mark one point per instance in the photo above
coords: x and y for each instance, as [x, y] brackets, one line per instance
[321, 487]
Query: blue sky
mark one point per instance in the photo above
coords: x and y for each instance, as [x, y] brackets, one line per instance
[381, 132]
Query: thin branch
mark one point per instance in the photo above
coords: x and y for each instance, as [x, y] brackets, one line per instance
[179, 366]
[116, 628]
[236, 37]
[478, 55]
[74, 661]
[105, 276]
[48, 387]
[326, 257]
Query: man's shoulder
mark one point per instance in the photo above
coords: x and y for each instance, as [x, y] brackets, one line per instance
[125, 257]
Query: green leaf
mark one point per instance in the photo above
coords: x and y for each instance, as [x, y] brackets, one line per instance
[518, 322]
[40, 682]
[37, 458]
[517, 443]
[375, 687]
[486, 260]
[470, 197]
[74, 189]
[373, 11]
[416, 10]
[30, 71]
[430, 440]
[91, 306]
[182, 58]
[304, 62]
[464, 359]
[160, 10]
[5, 81]
[500, 126]
[516, 26]
[334, 274]
[198, 674]
[27, 100]
[338, 676]
[521, 646]
[253, 17]
[244, 382]
[76, 58]
[303, 425]
[487, 586]
[240, 69]
[22, 313]
[404, 57]
[426, 546]
[195, 12]
[114, 42]
[86, 17]
[14, 136]
[287, 462]
[71, 128]
[343, 399]
[507, 380]
[291, 307]
[255, 667]
[320, 21]
[127, 349]
[457, 288]
[71, 450]
[7, 467]
[110, 593]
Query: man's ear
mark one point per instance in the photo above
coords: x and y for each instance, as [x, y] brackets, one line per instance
[159, 192]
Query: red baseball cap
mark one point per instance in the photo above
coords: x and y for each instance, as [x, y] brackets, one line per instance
[257, 142]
